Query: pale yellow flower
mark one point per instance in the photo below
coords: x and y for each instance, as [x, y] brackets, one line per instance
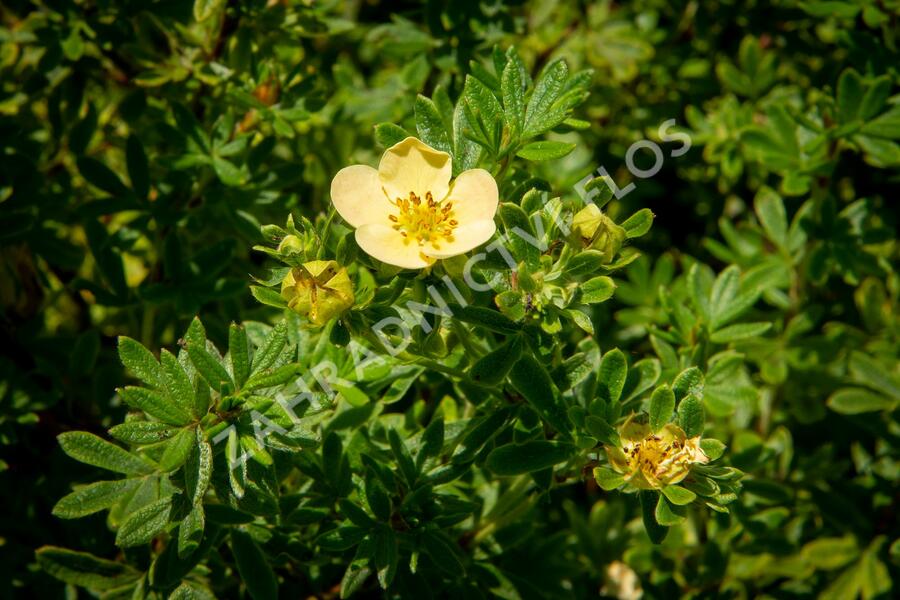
[407, 213]
[653, 460]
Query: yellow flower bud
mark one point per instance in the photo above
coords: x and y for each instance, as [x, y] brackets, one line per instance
[291, 244]
[598, 232]
[653, 460]
[319, 290]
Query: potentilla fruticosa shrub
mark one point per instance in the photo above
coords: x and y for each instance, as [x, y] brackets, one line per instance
[276, 438]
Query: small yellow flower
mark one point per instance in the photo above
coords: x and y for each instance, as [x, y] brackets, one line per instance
[408, 214]
[654, 460]
[598, 232]
[319, 290]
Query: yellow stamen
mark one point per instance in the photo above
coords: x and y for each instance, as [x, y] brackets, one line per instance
[426, 222]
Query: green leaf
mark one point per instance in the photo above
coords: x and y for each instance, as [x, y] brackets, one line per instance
[190, 532]
[466, 152]
[388, 134]
[493, 367]
[885, 126]
[639, 223]
[545, 150]
[94, 497]
[485, 108]
[700, 281]
[272, 378]
[358, 570]
[398, 388]
[81, 134]
[612, 375]
[528, 457]
[666, 514]
[608, 479]
[199, 469]
[538, 116]
[209, 367]
[386, 557]
[868, 372]
[85, 570]
[332, 451]
[430, 125]
[229, 173]
[691, 416]
[770, 211]
[196, 333]
[378, 501]
[266, 355]
[239, 353]
[480, 433]
[341, 538]
[830, 553]
[88, 448]
[678, 495]
[142, 432]
[178, 384]
[432, 441]
[724, 291]
[582, 320]
[850, 92]
[599, 428]
[512, 89]
[656, 531]
[688, 382]
[99, 175]
[740, 331]
[205, 9]
[144, 524]
[597, 289]
[531, 380]
[156, 405]
[485, 317]
[586, 262]
[402, 456]
[854, 401]
[140, 362]
[268, 296]
[712, 448]
[443, 552]
[138, 166]
[875, 98]
[253, 566]
[177, 450]
[662, 404]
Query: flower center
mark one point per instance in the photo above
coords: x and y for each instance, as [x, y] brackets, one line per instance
[424, 221]
[657, 458]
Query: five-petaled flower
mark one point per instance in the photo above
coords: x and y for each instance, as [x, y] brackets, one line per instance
[407, 213]
[653, 460]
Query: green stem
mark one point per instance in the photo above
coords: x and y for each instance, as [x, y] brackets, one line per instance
[323, 239]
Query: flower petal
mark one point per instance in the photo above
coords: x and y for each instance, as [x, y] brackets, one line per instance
[465, 237]
[412, 166]
[617, 459]
[474, 196]
[358, 197]
[632, 431]
[387, 245]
